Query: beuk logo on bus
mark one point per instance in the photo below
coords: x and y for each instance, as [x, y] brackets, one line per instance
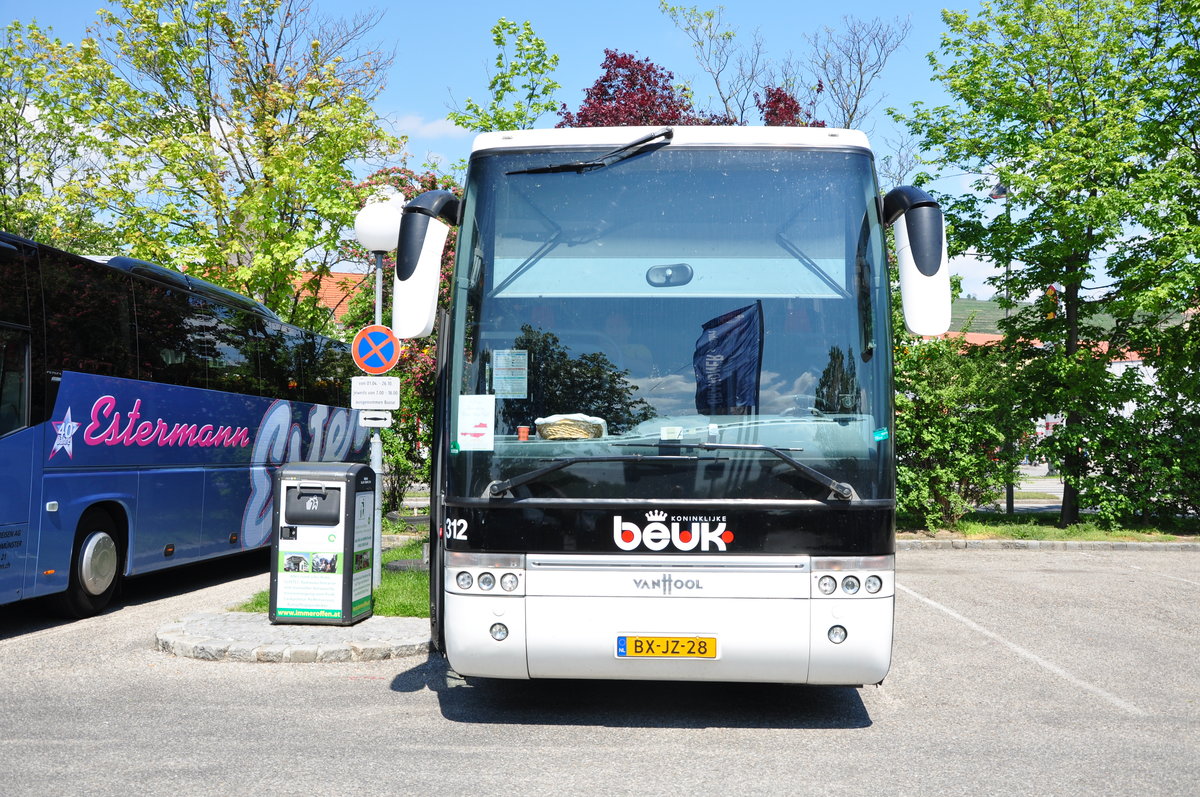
[684, 533]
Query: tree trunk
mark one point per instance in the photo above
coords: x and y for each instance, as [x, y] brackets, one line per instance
[1074, 463]
[1074, 460]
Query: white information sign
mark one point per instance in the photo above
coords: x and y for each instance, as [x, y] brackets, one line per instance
[476, 423]
[510, 373]
[378, 419]
[375, 392]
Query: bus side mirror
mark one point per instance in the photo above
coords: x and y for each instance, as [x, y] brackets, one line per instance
[423, 229]
[920, 231]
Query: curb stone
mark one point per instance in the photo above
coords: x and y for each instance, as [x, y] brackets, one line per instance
[250, 637]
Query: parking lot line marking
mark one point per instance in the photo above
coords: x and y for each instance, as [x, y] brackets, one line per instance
[1157, 574]
[1124, 705]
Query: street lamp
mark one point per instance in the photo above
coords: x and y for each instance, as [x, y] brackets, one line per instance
[1000, 191]
[377, 228]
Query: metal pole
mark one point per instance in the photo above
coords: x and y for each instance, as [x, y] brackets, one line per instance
[1008, 441]
[377, 444]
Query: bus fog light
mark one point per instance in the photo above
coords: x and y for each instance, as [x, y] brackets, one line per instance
[849, 585]
[837, 634]
[486, 581]
[499, 632]
[464, 580]
[873, 584]
[508, 582]
[827, 585]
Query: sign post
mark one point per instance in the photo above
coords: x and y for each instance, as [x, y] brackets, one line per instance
[376, 350]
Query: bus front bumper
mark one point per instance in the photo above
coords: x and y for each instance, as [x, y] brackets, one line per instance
[756, 623]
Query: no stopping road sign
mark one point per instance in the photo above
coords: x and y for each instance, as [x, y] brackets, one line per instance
[375, 349]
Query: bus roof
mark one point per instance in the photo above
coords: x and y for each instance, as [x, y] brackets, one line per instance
[177, 279]
[741, 136]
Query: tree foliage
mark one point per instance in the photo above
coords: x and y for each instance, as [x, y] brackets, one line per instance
[1159, 268]
[223, 134]
[1050, 99]
[736, 72]
[44, 156]
[848, 61]
[634, 91]
[955, 435]
[525, 72]
[835, 80]
[780, 109]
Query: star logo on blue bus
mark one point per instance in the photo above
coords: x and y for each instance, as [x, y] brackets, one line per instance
[65, 435]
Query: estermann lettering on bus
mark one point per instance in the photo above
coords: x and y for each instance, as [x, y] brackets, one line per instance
[690, 474]
[142, 415]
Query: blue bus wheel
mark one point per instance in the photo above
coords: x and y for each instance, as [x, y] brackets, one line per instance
[95, 567]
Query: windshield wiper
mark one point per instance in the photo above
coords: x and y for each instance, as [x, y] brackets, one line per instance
[496, 488]
[608, 159]
[840, 490]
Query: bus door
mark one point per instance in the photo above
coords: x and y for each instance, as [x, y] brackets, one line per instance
[17, 437]
[16, 460]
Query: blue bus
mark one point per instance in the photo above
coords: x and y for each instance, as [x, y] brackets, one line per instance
[142, 415]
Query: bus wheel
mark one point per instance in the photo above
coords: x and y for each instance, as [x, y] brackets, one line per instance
[95, 567]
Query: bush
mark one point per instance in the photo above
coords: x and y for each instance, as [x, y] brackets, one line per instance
[954, 414]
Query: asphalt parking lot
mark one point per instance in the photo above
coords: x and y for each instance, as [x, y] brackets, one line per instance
[1015, 672]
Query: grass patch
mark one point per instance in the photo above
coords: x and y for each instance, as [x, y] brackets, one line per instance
[401, 593]
[261, 602]
[405, 526]
[1043, 526]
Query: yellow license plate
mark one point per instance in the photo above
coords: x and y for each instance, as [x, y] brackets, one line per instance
[667, 647]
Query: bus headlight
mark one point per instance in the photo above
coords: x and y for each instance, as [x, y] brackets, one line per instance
[850, 585]
[464, 580]
[499, 632]
[508, 582]
[873, 584]
[486, 581]
[827, 585]
[837, 634]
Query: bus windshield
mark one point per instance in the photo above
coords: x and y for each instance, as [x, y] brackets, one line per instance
[690, 322]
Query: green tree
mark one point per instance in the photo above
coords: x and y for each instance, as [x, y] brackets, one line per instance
[44, 151]
[524, 71]
[1141, 466]
[1159, 267]
[226, 132]
[953, 427]
[1049, 97]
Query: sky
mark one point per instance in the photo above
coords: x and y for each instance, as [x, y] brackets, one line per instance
[444, 54]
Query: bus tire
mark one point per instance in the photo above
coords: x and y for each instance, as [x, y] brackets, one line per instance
[96, 561]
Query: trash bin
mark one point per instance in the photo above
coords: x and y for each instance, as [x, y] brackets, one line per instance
[321, 569]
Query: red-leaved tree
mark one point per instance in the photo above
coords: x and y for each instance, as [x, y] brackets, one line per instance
[635, 91]
[780, 108]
